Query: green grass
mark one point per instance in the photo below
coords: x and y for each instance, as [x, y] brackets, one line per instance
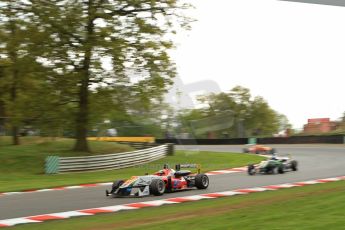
[22, 167]
[313, 207]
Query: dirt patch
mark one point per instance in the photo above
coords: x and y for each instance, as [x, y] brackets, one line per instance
[209, 211]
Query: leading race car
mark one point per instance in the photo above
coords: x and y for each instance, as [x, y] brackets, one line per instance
[273, 165]
[165, 180]
[258, 149]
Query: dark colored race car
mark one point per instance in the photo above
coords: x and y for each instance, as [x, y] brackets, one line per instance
[165, 180]
[258, 149]
[274, 165]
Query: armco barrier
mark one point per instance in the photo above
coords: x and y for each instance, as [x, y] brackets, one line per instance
[105, 162]
[52, 164]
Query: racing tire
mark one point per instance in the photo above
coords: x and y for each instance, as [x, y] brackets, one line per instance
[251, 170]
[294, 165]
[201, 181]
[275, 170]
[169, 184]
[157, 187]
[281, 169]
[245, 151]
[117, 184]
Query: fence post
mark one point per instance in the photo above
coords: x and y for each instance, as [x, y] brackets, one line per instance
[170, 149]
[252, 140]
[52, 165]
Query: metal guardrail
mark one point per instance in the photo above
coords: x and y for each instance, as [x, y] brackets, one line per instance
[105, 162]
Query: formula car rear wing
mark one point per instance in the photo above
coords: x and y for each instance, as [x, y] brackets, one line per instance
[179, 166]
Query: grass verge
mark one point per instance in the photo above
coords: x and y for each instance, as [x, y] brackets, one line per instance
[22, 167]
[318, 206]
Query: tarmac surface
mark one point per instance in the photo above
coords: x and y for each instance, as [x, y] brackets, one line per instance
[315, 162]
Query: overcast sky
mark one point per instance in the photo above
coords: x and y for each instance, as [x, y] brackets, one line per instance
[292, 54]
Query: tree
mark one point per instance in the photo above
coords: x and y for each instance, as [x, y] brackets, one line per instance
[185, 119]
[262, 119]
[83, 34]
[17, 63]
[237, 113]
[284, 123]
[140, 113]
[341, 124]
[2, 101]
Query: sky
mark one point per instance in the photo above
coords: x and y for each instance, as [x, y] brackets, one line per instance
[292, 54]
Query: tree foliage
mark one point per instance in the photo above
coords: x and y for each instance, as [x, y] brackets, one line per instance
[92, 53]
[251, 116]
[131, 34]
[18, 66]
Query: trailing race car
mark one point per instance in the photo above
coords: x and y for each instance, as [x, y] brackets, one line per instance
[258, 149]
[165, 180]
[273, 165]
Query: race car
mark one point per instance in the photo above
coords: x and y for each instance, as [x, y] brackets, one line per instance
[274, 165]
[258, 149]
[163, 181]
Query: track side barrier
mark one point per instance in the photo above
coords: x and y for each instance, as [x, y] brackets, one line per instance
[56, 164]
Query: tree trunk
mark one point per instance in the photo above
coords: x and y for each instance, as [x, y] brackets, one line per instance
[82, 120]
[15, 135]
[2, 117]
[15, 129]
[2, 105]
[15, 77]
[81, 144]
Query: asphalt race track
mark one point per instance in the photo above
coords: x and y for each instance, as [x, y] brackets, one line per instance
[315, 162]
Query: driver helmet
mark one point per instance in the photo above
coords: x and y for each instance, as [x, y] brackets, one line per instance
[160, 172]
[274, 158]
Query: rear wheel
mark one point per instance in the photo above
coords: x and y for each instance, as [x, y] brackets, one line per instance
[157, 187]
[201, 181]
[294, 165]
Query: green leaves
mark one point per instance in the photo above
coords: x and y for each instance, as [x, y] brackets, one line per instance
[54, 57]
[251, 116]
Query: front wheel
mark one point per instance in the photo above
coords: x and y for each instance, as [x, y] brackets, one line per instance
[157, 187]
[275, 170]
[201, 181]
[117, 184]
[251, 170]
[281, 169]
[114, 187]
[272, 151]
